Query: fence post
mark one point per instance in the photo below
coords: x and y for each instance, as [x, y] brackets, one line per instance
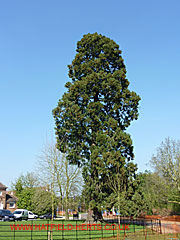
[113, 229]
[31, 229]
[76, 231]
[151, 226]
[102, 230]
[143, 227]
[145, 223]
[47, 230]
[62, 230]
[14, 230]
[160, 226]
[134, 226]
[89, 231]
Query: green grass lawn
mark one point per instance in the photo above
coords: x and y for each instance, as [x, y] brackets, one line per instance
[61, 230]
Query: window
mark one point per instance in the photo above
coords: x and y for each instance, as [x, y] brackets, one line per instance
[0, 193]
[12, 205]
[17, 212]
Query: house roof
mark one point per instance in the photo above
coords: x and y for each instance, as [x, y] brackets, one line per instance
[10, 198]
[2, 186]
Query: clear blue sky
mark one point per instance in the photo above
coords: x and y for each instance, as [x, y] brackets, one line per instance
[38, 40]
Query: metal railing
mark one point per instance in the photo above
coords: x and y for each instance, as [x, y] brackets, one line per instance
[77, 229]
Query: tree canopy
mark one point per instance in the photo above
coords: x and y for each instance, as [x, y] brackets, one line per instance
[166, 163]
[24, 188]
[92, 116]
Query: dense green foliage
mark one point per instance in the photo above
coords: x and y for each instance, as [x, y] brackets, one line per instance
[156, 190]
[24, 189]
[159, 194]
[133, 200]
[42, 201]
[93, 115]
[31, 196]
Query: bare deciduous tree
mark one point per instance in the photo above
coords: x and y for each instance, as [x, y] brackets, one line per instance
[60, 178]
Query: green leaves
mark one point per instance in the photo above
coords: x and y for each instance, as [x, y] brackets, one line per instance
[25, 189]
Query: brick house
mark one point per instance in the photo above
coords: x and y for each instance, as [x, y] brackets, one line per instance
[7, 199]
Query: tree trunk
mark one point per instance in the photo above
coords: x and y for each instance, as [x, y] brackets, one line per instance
[66, 208]
[94, 215]
[97, 215]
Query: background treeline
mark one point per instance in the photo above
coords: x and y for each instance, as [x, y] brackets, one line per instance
[149, 193]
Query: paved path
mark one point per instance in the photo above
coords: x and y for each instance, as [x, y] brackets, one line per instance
[170, 227]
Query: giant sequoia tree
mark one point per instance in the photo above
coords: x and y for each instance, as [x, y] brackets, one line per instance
[93, 115]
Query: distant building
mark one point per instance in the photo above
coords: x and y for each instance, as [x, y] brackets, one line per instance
[7, 199]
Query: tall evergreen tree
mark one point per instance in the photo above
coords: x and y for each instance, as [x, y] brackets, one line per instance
[92, 116]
